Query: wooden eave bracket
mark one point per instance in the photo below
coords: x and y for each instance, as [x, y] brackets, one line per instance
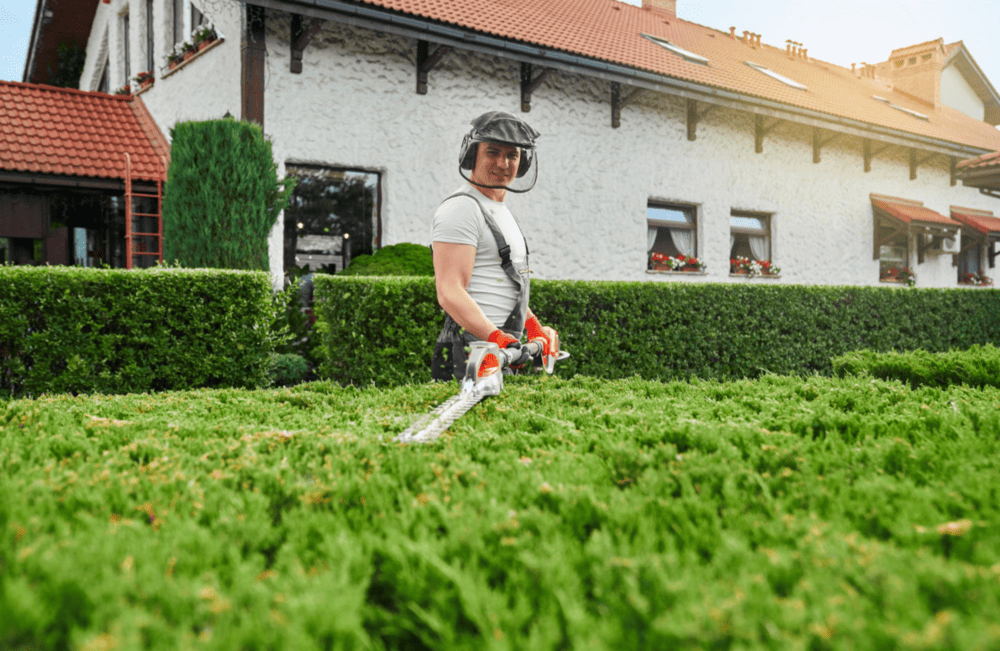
[760, 130]
[869, 153]
[915, 162]
[954, 169]
[991, 250]
[529, 84]
[302, 34]
[618, 102]
[819, 142]
[426, 60]
[694, 116]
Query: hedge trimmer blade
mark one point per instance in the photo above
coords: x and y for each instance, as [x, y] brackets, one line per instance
[443, 416]
[474, 389]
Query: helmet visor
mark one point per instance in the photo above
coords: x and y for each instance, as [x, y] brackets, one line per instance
[491, 169]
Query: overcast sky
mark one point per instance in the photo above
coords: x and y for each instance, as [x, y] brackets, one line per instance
[837, 31]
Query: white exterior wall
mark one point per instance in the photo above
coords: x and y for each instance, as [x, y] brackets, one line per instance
[354, 106]
[959, 95]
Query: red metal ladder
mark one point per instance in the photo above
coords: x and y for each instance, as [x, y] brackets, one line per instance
[131, 249]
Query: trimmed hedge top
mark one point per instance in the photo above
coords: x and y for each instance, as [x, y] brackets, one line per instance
[383, 329]
[74, 330]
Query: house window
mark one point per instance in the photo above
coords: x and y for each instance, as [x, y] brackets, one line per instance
[126, 61]
[671, 231]
[197, 19]
[676, 49]
[749, 237]
[970, 263]
[149, 36]
[179, 33]
[893, 257]
[333, 216]
[104, 85]
[773, 75]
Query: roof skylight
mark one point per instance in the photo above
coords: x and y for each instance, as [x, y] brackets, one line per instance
[774, 75]
[676, 49]
[900, 108]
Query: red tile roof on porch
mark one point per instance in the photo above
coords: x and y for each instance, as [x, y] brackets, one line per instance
[991, 159]
[908, 211]
[608, 30]
[67, 132]
[981, 220]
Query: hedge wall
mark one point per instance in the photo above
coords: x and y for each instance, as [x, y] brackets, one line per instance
[382, 330]
[66, 329]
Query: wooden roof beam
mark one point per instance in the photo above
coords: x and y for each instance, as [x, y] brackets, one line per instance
[759, 131]
[302, 33]
[819, 142]
[618, 102]
[426, 60]
[529, 84]
[869, 154]
[694, 116]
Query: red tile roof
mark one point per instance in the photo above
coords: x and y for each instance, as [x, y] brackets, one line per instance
[908, 211]
[609, 30]
[50, 130]
[985, 161]
[981, 220]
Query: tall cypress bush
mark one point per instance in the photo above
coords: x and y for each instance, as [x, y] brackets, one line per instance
[222, 196]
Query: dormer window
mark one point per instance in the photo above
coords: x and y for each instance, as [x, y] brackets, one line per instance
[676, 49]
[899, 62]
[772, 74]
[912, 60]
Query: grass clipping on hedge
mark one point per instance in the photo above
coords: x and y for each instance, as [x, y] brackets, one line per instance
[776, 513]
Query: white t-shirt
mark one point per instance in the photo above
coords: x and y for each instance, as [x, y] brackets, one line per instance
[459, 221]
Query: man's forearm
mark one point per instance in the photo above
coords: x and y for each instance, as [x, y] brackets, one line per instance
[466, 313]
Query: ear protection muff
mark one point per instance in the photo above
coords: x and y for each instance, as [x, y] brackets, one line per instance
[470, 147]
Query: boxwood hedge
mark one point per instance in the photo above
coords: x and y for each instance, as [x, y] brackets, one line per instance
[72, 330]
[383, 329]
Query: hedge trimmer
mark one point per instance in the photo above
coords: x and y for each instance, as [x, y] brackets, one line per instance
[475, 388]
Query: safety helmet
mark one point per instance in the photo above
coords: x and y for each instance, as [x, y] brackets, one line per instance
[506, 129]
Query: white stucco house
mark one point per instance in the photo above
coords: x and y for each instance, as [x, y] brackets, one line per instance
[660, 137]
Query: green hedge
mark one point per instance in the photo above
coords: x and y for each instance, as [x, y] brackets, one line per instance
[977, 367]
[383, 329]
[65, 329]
[403, 259]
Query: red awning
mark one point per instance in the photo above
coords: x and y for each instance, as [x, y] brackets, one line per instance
[981, 220]
[910, 212]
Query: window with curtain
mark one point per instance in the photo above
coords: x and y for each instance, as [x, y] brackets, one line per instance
[749, 236]
[671, 231]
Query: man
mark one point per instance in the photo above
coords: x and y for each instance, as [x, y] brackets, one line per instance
[480, 254]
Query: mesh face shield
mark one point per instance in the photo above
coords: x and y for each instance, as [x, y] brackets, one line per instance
[503, 129]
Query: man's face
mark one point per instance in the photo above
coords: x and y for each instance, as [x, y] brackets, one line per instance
[496, 164]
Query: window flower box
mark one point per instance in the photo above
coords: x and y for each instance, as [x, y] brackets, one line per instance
[683, 263]
[205, 37]
[124, 90]
[741, 266]
[978, 279]
[899, 275]
[144, 79]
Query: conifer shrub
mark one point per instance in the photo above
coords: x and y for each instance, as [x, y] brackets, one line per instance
[403, 259]
[222, 197]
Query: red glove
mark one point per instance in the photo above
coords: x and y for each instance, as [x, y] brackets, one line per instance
[536, 331]
[490, 362]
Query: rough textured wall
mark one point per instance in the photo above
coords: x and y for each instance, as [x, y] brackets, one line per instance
[354, 105]
[959, 95]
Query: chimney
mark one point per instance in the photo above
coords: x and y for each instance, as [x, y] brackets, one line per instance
[732, 33]
[666, 7]
[917, 71]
